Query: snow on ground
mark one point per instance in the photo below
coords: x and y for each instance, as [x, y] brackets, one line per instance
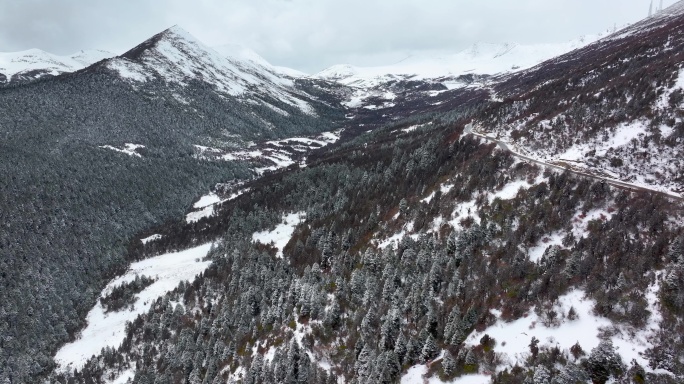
[413, 128]
[655, 168]
[444, 188]
[581, 220]
[237, 193]
[392, 240]
[282, 153]
[154, 237]
[204, 207]
[195, 216]
[622, 135]
[129, 149]
[279, 160]
[631, 344]
[108, 330]
[207, 200]
[513, 338]
[467, 379]
[535, 253]
[270, 354]
[663, 100]
[282, 233]
[462, 211]
[236, 376]
[510, 190]
[128, 69]
[178, 57]
[414, 375]
[123, 378]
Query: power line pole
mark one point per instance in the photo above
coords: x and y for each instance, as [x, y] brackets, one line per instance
[650, 10]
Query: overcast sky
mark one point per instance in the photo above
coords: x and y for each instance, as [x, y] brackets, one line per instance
[310, 35]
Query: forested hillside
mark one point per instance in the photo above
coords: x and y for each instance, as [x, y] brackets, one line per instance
[72, 194]
[468, 254]
[346, 235]
[613, 108]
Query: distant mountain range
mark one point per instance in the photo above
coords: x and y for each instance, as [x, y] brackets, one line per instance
[480, 59]
[34, 64]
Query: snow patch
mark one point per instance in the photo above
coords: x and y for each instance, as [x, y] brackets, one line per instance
[415, 375]
[124, 377]
[393, 240]
[535, 253]
[151, 238]
[109, 329]
[129, 149]
[128, 69]
[207, 200]
[463, 211]
[282, 233]
[623, 135]
[580, 222]
[513, 338]
[196, 216]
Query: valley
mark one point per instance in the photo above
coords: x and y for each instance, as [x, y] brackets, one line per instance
[508, 214]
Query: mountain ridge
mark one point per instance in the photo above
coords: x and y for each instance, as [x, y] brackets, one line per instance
[34, 63]
[479, 58]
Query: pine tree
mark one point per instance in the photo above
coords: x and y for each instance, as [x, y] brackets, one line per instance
[570, 374]
[400, 347]
[449, 365]
[430, 349]
[603, 362]
[364, 364]
[541, 375]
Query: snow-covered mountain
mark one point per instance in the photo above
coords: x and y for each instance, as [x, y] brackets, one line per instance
[34, 63]
[176, 57]
[480, 58]
[455, 226]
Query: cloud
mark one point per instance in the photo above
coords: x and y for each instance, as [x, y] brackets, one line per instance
[310, 34]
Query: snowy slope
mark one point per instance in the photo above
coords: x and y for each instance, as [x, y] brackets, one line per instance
[35, 63]
[480, 58]
[176, 57]
[109, 329]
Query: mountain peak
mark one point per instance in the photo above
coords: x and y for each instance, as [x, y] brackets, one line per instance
[176, 32]
[173, 35]
[176, 57]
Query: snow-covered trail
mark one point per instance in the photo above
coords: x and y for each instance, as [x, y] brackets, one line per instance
[616, 183]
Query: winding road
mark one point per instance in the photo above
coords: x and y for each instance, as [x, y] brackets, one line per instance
[616, 183]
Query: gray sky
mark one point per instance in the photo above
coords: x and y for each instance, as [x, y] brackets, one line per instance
[310, 35]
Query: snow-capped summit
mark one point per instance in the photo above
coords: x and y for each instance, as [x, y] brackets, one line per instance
[177, 57]
[34, 63]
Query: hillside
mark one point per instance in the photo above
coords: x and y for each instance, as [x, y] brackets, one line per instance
[188, 214]
[415, 250]
[91, 157]
[613, 109]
